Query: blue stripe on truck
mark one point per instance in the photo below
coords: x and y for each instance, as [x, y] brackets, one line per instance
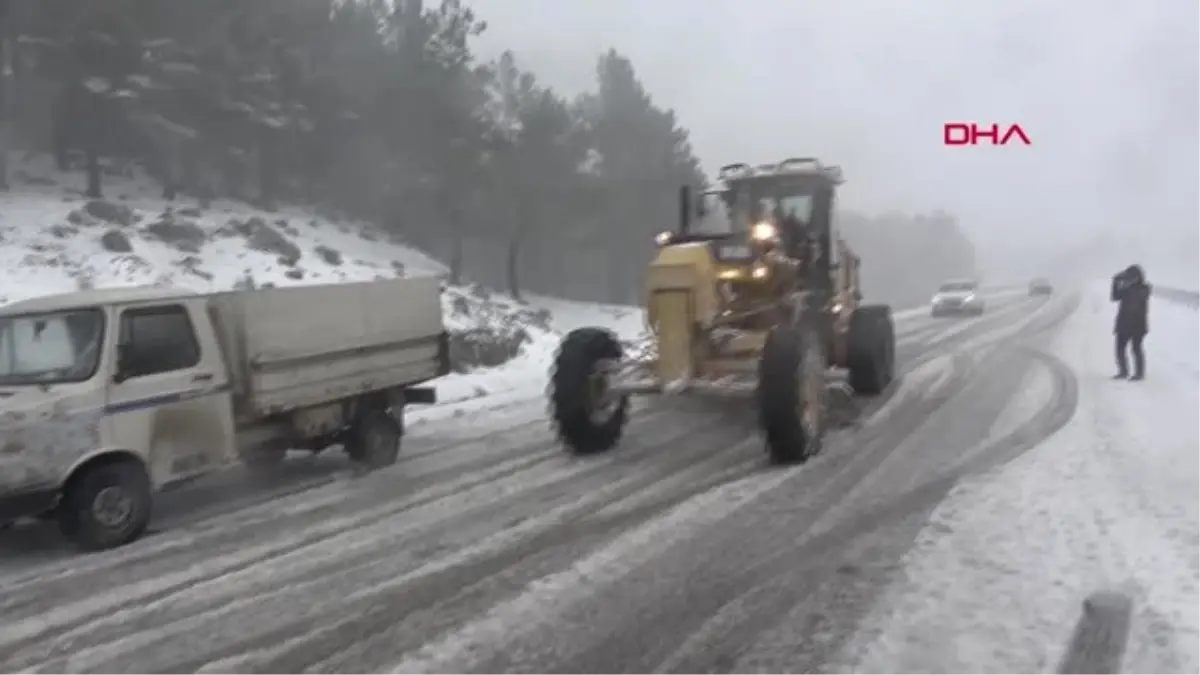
[162, 399]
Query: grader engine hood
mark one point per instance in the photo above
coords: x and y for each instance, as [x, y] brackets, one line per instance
[689, 269]
[694, 289]
[681, 296]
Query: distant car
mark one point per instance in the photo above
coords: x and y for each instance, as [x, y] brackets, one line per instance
[1040, 287]
[959, 296]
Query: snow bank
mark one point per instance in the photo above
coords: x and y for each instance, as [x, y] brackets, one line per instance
[996, 580]
[54, 240]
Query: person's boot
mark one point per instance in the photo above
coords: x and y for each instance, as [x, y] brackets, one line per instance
[1121, 376]
[1137, 377]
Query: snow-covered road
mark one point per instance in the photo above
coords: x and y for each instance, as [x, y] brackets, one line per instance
[488, 549]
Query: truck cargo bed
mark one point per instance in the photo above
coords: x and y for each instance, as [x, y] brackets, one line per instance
[295, 347]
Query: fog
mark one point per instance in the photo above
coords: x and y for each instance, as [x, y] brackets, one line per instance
[1107, 91]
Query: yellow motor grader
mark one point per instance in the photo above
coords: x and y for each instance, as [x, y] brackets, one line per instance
[766, 303]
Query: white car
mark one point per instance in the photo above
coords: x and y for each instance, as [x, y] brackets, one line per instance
[957, 297]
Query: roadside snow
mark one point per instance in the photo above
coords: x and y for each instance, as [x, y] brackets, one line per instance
[567, 315]
[997, 578]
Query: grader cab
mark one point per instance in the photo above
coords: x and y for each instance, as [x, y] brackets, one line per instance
[754, 294]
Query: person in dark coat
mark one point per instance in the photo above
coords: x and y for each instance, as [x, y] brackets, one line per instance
[1132, 293]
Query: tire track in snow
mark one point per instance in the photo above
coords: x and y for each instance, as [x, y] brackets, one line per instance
[820, 574]
[388, 578]
[467, 466]
[800, 615]
[483, 646]
[900, 522]
[442, 600]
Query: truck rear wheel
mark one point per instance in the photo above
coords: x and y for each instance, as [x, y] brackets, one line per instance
[106, 505]
[589, 416]
[791, 393]
[374, 440]
[871, 350]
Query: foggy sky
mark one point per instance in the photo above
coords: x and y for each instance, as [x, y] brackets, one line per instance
[1107, 90]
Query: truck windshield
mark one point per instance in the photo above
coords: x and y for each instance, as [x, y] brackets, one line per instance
[50, 347]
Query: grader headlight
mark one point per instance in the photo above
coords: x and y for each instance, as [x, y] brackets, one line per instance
[764, 232]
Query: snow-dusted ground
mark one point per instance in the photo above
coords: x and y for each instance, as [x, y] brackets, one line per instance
[50, 244]
[996, 580]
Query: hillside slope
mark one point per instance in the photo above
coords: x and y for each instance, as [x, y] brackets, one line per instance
[53, 240]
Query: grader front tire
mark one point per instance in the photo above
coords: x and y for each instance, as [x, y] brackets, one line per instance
[791, 393]
[589, 417]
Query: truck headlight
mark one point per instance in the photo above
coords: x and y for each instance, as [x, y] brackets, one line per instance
[662, 238]
[760, 272]
[763, 232]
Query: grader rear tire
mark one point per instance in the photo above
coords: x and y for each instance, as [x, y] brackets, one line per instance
[872, 350]
[791, 393]
[589, 417]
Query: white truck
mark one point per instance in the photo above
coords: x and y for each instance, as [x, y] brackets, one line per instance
[108, 395]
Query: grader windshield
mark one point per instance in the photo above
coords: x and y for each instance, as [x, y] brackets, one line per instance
[781, 195]
[740, 206]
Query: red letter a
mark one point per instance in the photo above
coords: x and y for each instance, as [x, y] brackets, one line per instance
[1015, 130]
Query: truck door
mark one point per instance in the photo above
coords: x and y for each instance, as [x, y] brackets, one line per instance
[169, 399]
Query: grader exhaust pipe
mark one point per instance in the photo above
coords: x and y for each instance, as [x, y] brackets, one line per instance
[685, 208]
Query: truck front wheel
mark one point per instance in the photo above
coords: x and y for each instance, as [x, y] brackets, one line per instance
[106, 505]
[374, 439]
